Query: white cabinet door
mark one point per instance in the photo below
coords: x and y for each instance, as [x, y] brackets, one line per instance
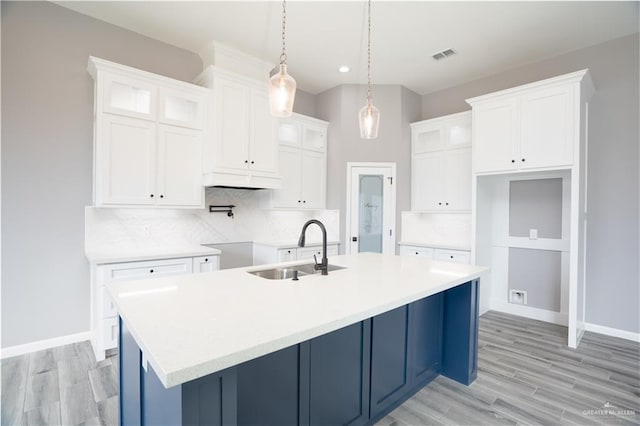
[547, 126]
[427, 183]
[263, 147]
[290, 133]
[494, 136]
[179, 167]
[314, 180]
[129, 96]
[416, 251]
[127, 164]
[289, 196]
[315, 137]
[231, 121]
[457, 179]
[206, 264]
[428, 137]
[181, 108]
[458, 132]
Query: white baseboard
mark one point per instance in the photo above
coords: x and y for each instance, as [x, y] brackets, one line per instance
[613, 332]
[530, 312]
[44, 344]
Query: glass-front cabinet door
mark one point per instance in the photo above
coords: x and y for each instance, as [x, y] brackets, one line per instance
[130, 97]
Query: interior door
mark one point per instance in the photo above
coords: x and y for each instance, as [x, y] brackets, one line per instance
[372, 209]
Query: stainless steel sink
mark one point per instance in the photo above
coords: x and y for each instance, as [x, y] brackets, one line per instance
[288, 272]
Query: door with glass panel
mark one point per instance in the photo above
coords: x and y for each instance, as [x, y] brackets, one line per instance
[371, 210]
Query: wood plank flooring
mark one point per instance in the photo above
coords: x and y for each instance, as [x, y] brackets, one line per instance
[527, 375]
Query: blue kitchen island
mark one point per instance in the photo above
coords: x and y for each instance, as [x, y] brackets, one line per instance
[346, 348]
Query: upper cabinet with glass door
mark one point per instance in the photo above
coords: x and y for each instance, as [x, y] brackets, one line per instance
[441, 164]
[148, 138]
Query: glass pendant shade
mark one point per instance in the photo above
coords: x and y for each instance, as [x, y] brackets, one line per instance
[282, 92]
[369, 119]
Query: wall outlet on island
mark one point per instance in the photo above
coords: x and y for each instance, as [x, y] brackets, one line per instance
[146, 230]
[533, 234]
[519, 297]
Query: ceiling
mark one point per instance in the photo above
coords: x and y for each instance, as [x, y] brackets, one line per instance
[489, 37]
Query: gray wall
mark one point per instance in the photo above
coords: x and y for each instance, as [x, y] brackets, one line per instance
[305, 103]
[47, 133]
[613, 278]
[340, 105]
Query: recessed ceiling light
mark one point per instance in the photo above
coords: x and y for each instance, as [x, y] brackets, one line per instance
[344, 68]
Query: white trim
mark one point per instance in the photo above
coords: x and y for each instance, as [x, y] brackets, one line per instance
[614, 332]
[347, 228]
[559, 318]
[44, 344]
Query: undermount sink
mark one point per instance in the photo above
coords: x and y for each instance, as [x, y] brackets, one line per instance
[288, 272]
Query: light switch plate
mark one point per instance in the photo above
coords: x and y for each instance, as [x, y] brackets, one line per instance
[533, 234]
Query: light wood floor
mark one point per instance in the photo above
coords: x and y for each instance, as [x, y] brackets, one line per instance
[526, 375]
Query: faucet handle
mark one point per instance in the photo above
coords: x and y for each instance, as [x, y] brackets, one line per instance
[315, 260]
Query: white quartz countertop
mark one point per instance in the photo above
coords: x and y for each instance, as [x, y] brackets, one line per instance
[190, 326]
[119, 255]
[438, 246]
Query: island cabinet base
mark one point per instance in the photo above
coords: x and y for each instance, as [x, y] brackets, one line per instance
[355, 375]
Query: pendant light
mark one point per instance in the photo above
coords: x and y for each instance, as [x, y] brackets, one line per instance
[369, 116]
[282, 87]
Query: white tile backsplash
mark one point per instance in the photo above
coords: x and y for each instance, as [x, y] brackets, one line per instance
[437, 228]
[126, 228]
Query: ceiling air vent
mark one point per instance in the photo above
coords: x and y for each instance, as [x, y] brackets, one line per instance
[441, 55]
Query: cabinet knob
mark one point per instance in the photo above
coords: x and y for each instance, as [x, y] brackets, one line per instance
[253, 162]
[523, 160]
[447, 204]
[161, 196]
[289, 251]
[439, 204]
[246, 161]
[206, 259]
[513, 161]
[416, 252]
[151, 271]
[451, 257]
[151, 195]
[304, 201]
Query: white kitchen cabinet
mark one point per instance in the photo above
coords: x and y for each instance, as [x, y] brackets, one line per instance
[125, 167]
[264, 253]
[206, 264]
[243, 148]
[303, 165]
[147, 138]
[179, 166]
[528, 129]
[435, 253]
[441, 164]
[104, 314]
[456, 256]
[416, 251]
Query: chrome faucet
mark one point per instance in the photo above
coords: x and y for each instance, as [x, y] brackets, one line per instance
[324, 263]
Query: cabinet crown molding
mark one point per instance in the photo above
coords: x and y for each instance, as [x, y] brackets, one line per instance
[582, 76]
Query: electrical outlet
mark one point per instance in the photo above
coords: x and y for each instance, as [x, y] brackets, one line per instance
[533, 234]
[519, 297]
[146, 230]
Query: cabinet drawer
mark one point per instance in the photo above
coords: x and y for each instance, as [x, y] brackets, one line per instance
[306, 253]
[455, 256]
[286, 255]
[416, 251]
[141, 270]
[206, 264]
[110, 333]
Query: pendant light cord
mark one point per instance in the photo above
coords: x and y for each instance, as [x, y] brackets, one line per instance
[369, 57]
[283, 56]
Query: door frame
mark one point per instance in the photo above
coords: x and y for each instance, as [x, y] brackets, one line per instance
[352, 165]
